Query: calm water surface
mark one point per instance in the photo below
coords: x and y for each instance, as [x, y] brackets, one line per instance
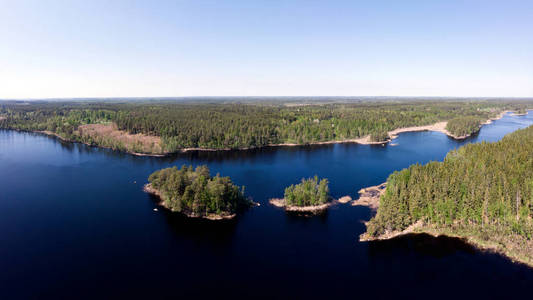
[75, 223]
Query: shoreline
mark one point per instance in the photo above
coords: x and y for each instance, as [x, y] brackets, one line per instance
[370, 198]
[53, 134]
[365, 140]
[494, 246]
[147, 188]
[281, 203]
[393, 134]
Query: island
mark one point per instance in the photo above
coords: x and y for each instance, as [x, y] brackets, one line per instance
[482, 193]
[196, 194]
[161, 127]
[311, 195]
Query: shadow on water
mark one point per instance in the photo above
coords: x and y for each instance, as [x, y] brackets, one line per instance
[423, 245]
[445, 267]
[302, 217]
[420, 244]
[198, 229]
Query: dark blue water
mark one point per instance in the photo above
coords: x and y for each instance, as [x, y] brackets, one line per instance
[75, 223]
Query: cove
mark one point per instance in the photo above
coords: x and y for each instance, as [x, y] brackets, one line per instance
[75, 223]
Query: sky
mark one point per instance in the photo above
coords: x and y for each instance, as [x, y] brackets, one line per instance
[66, 49]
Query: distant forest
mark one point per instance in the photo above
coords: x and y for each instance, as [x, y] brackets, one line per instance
[232, 125]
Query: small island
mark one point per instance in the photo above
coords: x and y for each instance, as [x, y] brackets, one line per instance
[309, 196]
[195, 193]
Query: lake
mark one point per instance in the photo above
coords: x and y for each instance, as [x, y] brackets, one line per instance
[75, 223]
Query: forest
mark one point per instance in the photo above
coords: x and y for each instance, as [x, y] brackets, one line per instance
[309, 192]
[235, 125]
[195, 192]
[485, 189]
[464, 126]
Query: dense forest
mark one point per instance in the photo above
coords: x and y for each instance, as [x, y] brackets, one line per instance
[196, 193]
[309, 192]
[485, 189]
[464, 126]
[232, 125]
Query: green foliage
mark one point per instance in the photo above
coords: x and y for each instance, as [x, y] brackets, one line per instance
[309, 192]
[462, 126]
[194, 191]
[233, 125]
[487, 185]
[379, 136]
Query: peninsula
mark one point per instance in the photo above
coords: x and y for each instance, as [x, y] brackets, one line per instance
[195, 193]
[482, 193]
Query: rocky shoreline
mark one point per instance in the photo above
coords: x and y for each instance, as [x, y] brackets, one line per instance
[370, 196]
[281, 203]
[509, 246]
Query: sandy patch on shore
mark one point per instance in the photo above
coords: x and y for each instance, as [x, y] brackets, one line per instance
[142, 142]
[438, 127]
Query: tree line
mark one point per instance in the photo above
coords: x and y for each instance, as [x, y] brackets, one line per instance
[244, 125]
[463, 126]
[487, 187]
[309, 192]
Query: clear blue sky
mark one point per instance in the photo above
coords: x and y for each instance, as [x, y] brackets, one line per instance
[95, 48]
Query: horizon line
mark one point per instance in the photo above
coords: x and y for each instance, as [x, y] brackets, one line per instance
[266, 96]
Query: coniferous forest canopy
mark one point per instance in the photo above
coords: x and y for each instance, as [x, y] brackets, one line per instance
[486, 189]
[464, 125]
[232, 125]
[309, 192]
[195, 191]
